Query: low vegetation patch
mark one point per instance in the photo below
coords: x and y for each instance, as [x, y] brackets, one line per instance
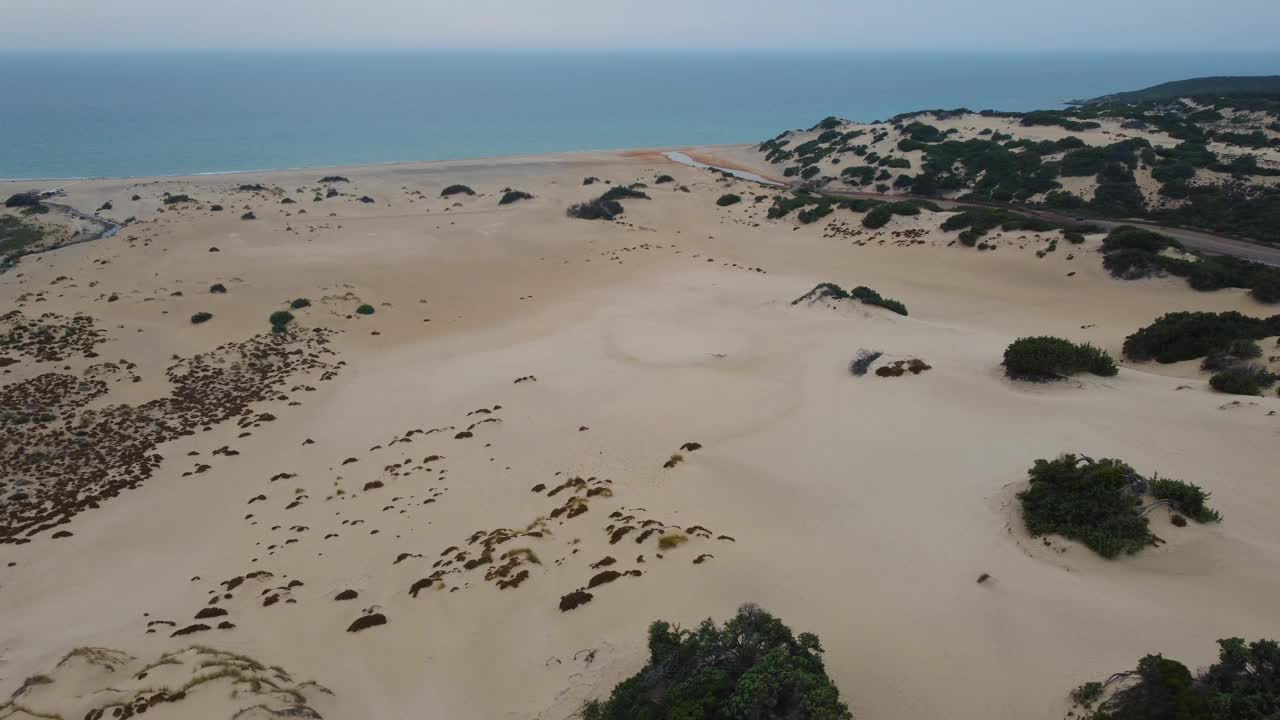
[728, 199]
[365, 309]
[201, 317]
[300, 303]
[1051, 358]
[751, 667]
[1243, 683]
[1132, 253]
[217, 288]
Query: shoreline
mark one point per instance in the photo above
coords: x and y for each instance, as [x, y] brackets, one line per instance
[568, 156]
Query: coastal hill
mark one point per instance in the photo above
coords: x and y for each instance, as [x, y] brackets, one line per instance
[1220, 86]
[1207, 162]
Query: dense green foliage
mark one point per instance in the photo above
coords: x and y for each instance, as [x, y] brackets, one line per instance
[217, 288]
[1132, 253]
[881, 214]
[365, 309]
[201, 317]
[1243, 379]
[1181, 336]
[1092, 502]
[300, 303]
[1052, 358]
[598, 209]
[280, 320]
[752, 668]
[1244, 684]
[978, 221]
[728, 199]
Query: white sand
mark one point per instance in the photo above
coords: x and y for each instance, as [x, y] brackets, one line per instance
[863, 509]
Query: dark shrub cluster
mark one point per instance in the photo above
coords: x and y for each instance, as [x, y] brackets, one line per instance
[280, 320]
[1243, 379]
[300, 303]
[1133, 253]
[871, 297]
[22, 200]
[1052, 358]
[201, 317]
[334, 179]
[217, 288]
[1095, 503]
[728, 199]
[1181, 336]
[514, 196]
[1244, 684]
[881, 214]
[751, 667]
[662, 179]
[862, 362]
[365, 309]
[175, 199]
[606, 207]
[976, 222]
[455, 190]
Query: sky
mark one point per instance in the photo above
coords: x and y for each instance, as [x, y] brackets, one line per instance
[1180, 25]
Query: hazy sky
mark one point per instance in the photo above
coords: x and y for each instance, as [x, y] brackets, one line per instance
[1193, 25]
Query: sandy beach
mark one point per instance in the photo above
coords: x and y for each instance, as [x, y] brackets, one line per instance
[496, 431]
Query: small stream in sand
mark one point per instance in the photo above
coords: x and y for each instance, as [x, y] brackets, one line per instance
[743, 174]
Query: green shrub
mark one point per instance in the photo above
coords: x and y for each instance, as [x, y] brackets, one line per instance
[201, 317]
[751, 667]
[1092, 502]
[1051, 358]
[22, 199]
[663, 179]
[1187, 498]
[1243, 379]
[728, 199]
[456, 189]
[1188, 335]
[280, 320]
[300, 303]
[217, 288]
[871, 297]
[365, 309]
[175, 199]
[513, 196]
[597, 209]
[622, 192]
[879, 216]
[1243, 685]
[1127, 237]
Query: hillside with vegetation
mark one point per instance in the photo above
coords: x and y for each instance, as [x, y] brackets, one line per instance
[1207, 162]
[1217, 86]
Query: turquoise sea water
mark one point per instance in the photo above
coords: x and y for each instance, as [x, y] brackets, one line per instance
[160, 113]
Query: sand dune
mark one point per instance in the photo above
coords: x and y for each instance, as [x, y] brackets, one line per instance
[488, 461]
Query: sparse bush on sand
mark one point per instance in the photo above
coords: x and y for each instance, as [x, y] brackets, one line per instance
[862, 362]
[365, 309]
[201, 317]
[1051, 358]
[751, 667]
[728, 199]
[300, 303]
[1187, 498]
[217, 288]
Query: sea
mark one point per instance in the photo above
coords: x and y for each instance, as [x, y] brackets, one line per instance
[123, 114]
